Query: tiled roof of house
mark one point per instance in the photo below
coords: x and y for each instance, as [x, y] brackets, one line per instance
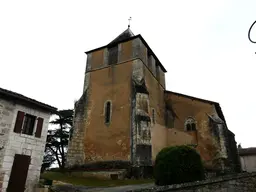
[10, 95]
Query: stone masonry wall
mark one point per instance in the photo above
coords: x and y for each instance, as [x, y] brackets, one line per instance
[101, 141]
[75, 155]
[206, 142]
[106, 83]
[156, 103]
[23, 144]
[245, 182]
[6, 117]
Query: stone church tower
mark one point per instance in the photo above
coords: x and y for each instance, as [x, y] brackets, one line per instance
[125, 112]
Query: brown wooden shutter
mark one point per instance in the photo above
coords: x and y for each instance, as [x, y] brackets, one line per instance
[39, 127]
[19, 122]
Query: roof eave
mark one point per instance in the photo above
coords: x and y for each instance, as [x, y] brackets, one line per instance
[191, 97]
[16, 96]
[128, 39]
[216, 104]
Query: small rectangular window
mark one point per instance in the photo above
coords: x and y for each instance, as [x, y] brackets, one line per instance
[29, 124]
[107, 112]
[153, 116]
[113, 55]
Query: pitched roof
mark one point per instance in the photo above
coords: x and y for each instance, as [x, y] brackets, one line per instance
[247, 151]
[215, 118]
[127, 35]
[122, 37]
[191, 97]
[216, 104]
[10, 95]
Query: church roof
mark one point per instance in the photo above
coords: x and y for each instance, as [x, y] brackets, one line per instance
[122, 37]
[215, 118]
[128, 35]
[217, 105]
[191, 97]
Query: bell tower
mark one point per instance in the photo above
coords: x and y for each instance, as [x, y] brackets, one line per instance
[123, 97]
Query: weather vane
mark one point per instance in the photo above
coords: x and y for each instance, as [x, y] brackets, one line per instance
[129, 22]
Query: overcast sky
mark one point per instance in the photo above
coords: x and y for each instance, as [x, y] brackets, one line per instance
[203, 45]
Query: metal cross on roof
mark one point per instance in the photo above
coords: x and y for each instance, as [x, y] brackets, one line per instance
[129, 21]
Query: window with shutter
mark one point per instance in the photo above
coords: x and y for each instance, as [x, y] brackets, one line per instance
[19, 122]
[39, 127]
[25, 124]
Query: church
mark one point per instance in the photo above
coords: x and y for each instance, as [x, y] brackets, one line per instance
[125, 112]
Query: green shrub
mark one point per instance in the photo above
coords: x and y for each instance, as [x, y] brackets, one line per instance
[178, 164]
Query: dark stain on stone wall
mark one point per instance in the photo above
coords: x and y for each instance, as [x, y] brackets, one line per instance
[76, 150]
[144, 152]
[233, 158]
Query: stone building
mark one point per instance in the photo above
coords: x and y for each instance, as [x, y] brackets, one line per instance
[126, 113]
[23, 131]
[248, 159]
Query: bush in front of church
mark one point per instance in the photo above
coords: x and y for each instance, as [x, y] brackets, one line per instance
[178, 164]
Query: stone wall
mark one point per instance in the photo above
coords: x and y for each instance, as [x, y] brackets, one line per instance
[15, 143]
[101, 141]
[248, 162]
[114, 83]
[113, 174]
[6, 116]
[244, 182]
[211, 137]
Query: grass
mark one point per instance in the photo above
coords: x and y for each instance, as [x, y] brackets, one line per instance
[91, 181]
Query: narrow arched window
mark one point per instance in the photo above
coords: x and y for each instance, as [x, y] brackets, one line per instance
[190, 124]
[107, 111]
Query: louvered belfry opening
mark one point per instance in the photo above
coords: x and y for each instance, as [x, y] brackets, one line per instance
[113, 55]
